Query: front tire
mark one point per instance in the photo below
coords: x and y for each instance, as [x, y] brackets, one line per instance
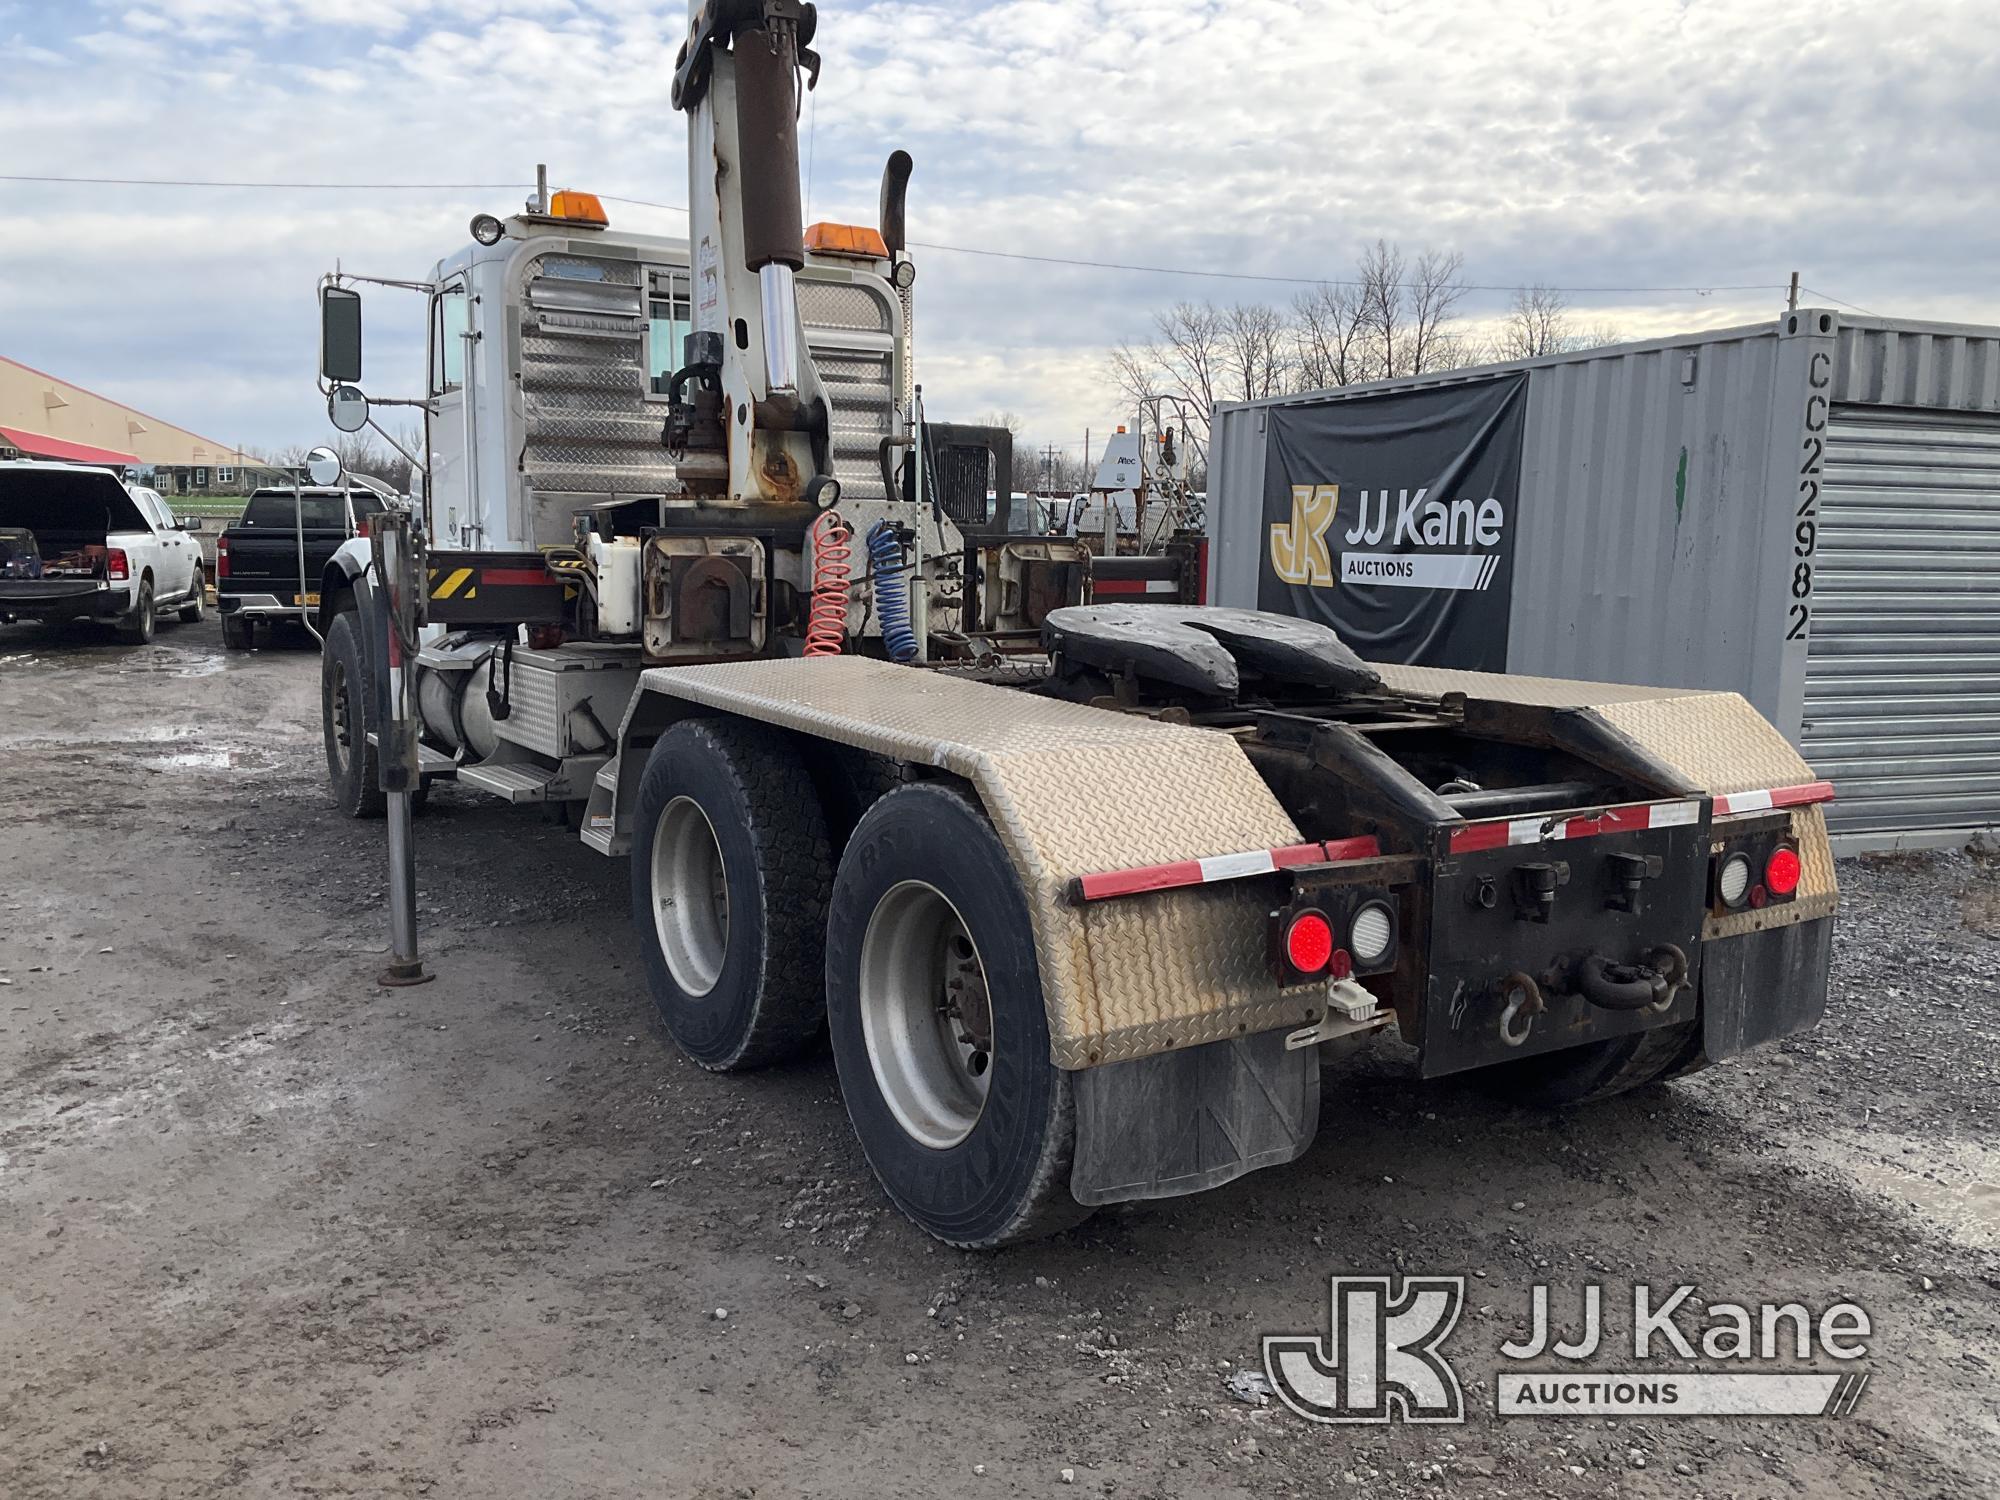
[190, 612]
[353, 767]
[939, 1027]
[730, 874]
[136, 629]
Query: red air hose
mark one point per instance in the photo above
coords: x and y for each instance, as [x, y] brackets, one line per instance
[826, 630]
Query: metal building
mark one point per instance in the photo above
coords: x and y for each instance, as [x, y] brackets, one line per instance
[1806, 511]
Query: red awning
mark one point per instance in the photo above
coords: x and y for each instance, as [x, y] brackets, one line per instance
[39, 445]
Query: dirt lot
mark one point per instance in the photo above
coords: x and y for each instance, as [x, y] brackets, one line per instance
[269, 1228]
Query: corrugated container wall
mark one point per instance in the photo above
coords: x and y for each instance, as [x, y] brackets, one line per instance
[1687, 511]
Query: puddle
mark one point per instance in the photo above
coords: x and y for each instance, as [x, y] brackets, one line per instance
[208, 760]
[170, 662]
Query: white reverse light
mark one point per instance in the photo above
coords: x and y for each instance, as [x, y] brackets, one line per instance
[1373, 930]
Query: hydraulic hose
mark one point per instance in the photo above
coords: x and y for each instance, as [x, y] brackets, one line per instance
[892, 591]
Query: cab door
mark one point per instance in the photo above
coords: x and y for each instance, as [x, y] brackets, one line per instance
[179, 552]
[452, 523]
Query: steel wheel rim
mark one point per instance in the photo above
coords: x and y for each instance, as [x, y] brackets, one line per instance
[342, 708]
[926, 1015]
[690, 896]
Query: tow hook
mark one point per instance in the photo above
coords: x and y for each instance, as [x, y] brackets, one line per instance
[1650, 984]
[1524, 1003]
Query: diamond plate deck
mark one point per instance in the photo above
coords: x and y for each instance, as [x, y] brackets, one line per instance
[1071, 790]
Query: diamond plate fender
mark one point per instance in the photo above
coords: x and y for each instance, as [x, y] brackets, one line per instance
[1071, 790]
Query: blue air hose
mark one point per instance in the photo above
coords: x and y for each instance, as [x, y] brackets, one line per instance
[892, 591]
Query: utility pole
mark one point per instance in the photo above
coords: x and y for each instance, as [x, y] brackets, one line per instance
[1792, 301]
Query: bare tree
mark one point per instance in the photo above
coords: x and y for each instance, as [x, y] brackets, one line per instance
[1255, 351]
[1187, 359]
[1329, 336]
[1436, 286]
[1539, 324]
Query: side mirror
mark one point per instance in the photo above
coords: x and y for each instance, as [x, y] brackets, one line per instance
[347, 408]
[188, 523]
[339, 334]
[323, 467]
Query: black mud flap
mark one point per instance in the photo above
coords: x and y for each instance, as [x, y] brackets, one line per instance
[1186, 1121]
[1763, 986]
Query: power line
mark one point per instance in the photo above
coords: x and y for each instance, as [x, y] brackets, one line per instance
[1851, 307]
[318, 187]
[1020, 255]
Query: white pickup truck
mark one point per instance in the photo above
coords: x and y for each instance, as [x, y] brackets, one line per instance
[80, 543]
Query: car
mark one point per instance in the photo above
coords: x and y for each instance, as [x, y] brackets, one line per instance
[79, 542]
[268, 561]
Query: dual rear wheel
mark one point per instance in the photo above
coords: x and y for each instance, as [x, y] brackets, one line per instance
[913, 951]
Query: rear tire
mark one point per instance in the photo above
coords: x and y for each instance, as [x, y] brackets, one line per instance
[353, 767]
[1577, 1076]
[190, 612]
[730, 874]
[236, 633]
[939, 1027]
[136, 629]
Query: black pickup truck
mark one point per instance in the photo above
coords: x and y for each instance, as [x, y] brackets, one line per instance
[259, 574]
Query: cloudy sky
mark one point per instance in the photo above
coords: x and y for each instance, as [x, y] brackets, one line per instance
[1708, 144]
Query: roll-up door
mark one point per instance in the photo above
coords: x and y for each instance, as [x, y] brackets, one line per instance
[1902, 702]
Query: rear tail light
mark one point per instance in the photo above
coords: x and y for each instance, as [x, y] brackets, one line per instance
[222, 557]
[1781, 872]
[1309, 942]
[116, 565]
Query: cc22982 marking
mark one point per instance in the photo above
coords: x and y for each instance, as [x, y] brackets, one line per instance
[1805, 534]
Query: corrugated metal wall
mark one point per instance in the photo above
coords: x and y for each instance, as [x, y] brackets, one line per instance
[1917, 364]
[1902, 705]
[1642, 556]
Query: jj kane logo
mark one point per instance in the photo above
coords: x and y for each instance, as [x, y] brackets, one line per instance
[1301, 551]
[1381, 1358]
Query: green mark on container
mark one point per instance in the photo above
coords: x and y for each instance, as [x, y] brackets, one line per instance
[1681, 487]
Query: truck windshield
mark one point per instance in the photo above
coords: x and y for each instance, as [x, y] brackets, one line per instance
[273, 510]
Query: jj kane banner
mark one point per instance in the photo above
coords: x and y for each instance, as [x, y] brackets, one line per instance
[1392, 519]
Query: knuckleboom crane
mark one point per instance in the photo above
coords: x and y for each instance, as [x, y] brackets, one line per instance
[1082, 895]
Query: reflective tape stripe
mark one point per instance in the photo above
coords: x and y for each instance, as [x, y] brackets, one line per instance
[1803, 795]
[1218, 867]
[1505, 832]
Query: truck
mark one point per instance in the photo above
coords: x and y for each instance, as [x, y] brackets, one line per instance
[268, 561]
[1089, 896]
[80, 543]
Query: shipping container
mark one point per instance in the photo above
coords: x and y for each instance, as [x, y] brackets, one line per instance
[1805, 511]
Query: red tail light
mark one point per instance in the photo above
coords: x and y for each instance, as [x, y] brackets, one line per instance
[1309, 942]
[222, 557]
[361, 527]
[1781, 874]
[116, 565]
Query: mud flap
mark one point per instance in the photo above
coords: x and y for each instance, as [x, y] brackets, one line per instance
[1186, 1121]
[1763, 985]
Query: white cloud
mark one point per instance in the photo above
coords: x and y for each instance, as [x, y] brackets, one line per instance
[1643, 144]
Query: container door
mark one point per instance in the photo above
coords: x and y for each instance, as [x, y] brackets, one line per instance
[1902, 706]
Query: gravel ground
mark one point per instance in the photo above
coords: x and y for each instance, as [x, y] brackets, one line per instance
[272, 1229]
